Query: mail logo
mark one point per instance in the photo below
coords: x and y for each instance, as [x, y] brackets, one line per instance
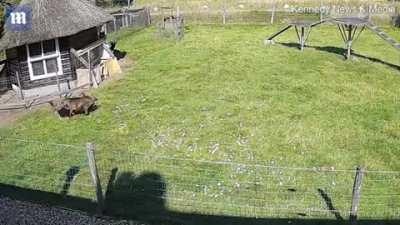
[19, 18]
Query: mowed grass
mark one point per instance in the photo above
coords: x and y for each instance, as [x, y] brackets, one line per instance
[221, 95]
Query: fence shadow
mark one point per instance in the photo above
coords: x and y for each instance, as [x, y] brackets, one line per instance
[70, 175]
[141, 197]
[341, 52]
[329, 204]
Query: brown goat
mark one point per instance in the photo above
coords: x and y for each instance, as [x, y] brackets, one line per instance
[75, 105]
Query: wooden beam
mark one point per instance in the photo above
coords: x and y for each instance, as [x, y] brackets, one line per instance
[78, 57]
[91, 46]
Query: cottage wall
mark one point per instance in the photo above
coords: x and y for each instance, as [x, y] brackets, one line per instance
[5, 83]
[17, 61]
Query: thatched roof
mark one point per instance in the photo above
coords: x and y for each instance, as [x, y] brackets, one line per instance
[55, 18]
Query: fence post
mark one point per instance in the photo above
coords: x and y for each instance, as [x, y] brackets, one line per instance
[321, 6]
[126, 15]
[273, 12]
[148, 16]
[356, 195]
[91, 76]
[95, 176]
[369, 12]
[19, 85]
[224, 9]
[58, 84]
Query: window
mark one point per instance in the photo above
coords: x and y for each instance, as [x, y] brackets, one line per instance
[44, 59]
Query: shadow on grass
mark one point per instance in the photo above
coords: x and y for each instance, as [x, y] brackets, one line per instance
[329, 204]
[70, 175]
[142, 197]
[341, 52]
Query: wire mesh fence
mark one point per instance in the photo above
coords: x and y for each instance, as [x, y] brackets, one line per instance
[275, 11]
[48, 167]
[134, 18]
[5, 83]
[137, 184]
[250, 190]
[381, 195]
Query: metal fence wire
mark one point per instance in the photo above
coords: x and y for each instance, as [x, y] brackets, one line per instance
[257, 191]
[275, 11]
[133, 18]
[48, 167]
[136, 183]
[5, 83]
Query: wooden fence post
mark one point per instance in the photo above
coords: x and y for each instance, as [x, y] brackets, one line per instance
[95, 177]
[369, 13]
[148, 16]
[356, 195]
[321, 6]
[58, 84]
[19, 85]
[224, 12]
[90, 69]
[273, 13]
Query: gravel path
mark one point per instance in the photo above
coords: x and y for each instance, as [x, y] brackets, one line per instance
[22, 213]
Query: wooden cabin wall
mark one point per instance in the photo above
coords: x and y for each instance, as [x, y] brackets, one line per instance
[5, 82]
[66, 59]
[12, 64]
[17, 61]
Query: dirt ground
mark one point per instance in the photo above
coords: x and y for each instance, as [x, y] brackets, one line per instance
[7, 118]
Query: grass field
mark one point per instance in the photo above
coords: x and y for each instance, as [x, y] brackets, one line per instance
[220, 94]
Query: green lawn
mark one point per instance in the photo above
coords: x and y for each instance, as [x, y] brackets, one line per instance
[220, 94]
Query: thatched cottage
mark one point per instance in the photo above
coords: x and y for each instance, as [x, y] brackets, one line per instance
[42, 59]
